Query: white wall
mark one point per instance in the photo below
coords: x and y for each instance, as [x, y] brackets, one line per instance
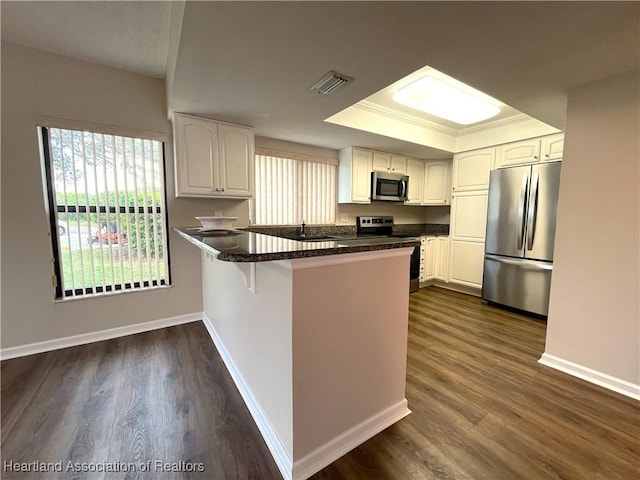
[594, 315]
[36, 83]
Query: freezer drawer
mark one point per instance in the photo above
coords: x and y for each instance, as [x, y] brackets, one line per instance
[521, 284]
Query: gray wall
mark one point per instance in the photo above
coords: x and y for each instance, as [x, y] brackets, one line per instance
[594, 315]
[34, 84]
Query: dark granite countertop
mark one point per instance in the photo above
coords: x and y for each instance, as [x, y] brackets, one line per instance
[245, 246]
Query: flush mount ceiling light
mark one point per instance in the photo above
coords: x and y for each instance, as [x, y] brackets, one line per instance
[445, 100]
[331, 82]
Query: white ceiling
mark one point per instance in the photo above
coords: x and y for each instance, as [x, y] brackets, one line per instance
[132, 36]
[252, 62]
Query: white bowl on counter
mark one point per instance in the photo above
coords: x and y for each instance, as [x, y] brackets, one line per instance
[216, 223]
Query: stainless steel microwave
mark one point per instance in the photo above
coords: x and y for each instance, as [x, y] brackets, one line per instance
[389, 186]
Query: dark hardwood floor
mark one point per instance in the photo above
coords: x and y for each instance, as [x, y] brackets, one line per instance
[483, 408]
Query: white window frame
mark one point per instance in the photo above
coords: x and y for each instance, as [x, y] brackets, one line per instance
[152, 213]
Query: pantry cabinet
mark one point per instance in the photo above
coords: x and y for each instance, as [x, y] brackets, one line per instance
[467, 229]
[212, 159]
[471, 170]
[354, 175]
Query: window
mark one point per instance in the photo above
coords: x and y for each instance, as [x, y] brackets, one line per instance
[106, 201]
[291, 190]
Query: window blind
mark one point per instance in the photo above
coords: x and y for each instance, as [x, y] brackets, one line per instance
[107, 204]
[289, 191]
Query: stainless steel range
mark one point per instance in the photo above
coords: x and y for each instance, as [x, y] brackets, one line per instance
[372, 227]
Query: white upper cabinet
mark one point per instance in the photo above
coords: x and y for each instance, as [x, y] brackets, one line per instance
[387, 162]
[471, 169]
[398, 164]
[415, 171]
[518, 153]
[551, 147]
[212, 159]
[437, 189]
[354, 175]
[381, 161]
[236, 150]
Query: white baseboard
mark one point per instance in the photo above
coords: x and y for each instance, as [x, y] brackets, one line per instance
[274, 443]
[84, 338]
[347, 441]
[607, 381]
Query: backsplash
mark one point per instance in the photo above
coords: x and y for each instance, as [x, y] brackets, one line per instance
[350, 230]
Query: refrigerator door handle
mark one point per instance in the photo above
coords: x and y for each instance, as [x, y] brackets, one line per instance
[521, 210]
[527, 265]
[532, 211]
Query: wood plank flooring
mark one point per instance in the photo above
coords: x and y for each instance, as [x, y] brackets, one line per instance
[159, 396]
[483, 408]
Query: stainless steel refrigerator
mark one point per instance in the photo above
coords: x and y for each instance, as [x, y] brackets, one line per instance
[521, 226]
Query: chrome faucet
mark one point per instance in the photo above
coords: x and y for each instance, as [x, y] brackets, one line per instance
[302, 225]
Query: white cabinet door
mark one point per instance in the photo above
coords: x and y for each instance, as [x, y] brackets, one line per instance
[398, 164]
[467, 261]
[466, 246]
[518, 153]
[354, 175]
[442, 258]
[551, 147]
[212, 159]
[430, 258]
[436, 189]
[415, 170]
[469, 215]
[387, 162]
[381, 161]
[236, 154]
[471, 169]
[361, 182]
[195, 155]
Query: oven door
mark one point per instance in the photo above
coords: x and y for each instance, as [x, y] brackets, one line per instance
[389, 186]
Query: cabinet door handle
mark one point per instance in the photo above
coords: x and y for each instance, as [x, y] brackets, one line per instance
[217, 189]
[222, 189]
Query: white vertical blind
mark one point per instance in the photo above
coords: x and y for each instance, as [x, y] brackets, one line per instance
[289, 191]
[108, 203]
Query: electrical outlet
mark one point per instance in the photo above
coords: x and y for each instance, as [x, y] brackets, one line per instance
[344, 217]
[218, 213]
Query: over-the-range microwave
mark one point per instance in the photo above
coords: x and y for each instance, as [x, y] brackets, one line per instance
[389, 186]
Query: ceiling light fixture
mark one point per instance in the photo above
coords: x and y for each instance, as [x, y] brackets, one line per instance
[328, 84]
[444, 100]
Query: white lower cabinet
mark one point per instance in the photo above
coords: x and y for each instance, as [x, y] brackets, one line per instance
[467, 260]
[442, 259]
[433, 258]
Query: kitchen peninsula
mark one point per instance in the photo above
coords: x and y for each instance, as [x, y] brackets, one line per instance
[319, 359]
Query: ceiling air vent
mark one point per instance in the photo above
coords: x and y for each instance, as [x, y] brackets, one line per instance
[330, 83]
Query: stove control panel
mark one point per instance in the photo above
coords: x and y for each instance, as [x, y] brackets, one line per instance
[378, 225]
